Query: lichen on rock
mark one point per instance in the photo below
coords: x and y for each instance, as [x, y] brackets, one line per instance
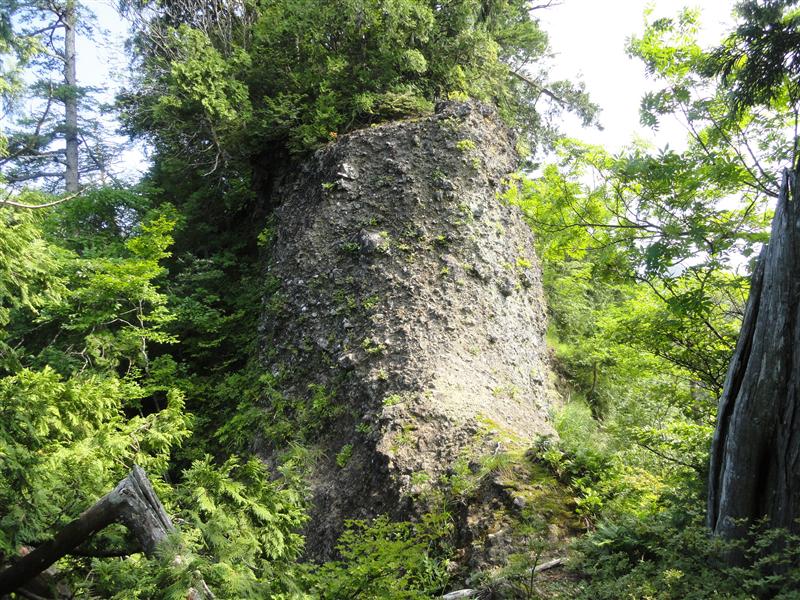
[411, 293]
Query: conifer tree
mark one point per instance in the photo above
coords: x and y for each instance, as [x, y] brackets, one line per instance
[48, 143]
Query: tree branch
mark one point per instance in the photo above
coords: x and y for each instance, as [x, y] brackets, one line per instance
[539, 88]
[7, 202]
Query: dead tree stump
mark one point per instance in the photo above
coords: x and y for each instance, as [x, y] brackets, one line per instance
[755, 452]
[133, 503]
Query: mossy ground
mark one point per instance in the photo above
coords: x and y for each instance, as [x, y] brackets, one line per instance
[515, 515]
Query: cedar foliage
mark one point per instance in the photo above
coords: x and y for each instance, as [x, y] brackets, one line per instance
[128, 315]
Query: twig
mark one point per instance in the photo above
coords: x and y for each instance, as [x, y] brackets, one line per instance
[550, 564]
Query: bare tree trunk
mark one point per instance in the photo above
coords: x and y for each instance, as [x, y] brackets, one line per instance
[755, 453]
[133, 502]
[71, 172]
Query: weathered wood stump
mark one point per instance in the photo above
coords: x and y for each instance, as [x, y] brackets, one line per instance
[133, 503]
[755, 453]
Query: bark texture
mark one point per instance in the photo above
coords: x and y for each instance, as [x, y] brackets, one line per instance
[71, 171]
[133, 502]
[754, 470]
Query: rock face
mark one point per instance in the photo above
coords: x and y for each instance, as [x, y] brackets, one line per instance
[407, 297]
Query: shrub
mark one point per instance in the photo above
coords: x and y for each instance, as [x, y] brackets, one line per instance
[388, 560]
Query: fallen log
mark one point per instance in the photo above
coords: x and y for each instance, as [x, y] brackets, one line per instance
[132, 503]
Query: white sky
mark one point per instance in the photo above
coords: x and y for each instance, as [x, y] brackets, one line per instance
[102, 63]
[588, 38]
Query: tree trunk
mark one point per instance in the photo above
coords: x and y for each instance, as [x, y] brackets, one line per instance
[133, 502]
[71, 172]
[755, 452]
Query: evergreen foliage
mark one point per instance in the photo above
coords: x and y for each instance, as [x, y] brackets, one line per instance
[128, 316]
[84, 396]
[670, 555]
[292, 75]
[659, 237]
[396, 561]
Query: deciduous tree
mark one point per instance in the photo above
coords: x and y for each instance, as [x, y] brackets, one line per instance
[741, 102]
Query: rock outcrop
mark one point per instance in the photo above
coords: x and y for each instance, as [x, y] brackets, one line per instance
[407, 313]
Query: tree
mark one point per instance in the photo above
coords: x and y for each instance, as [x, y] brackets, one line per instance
[741, 102]
[83, 399]
[655, 218]
[238, 83]
[132, 502]
[48, 144]
[71, 174]
[755, 472]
